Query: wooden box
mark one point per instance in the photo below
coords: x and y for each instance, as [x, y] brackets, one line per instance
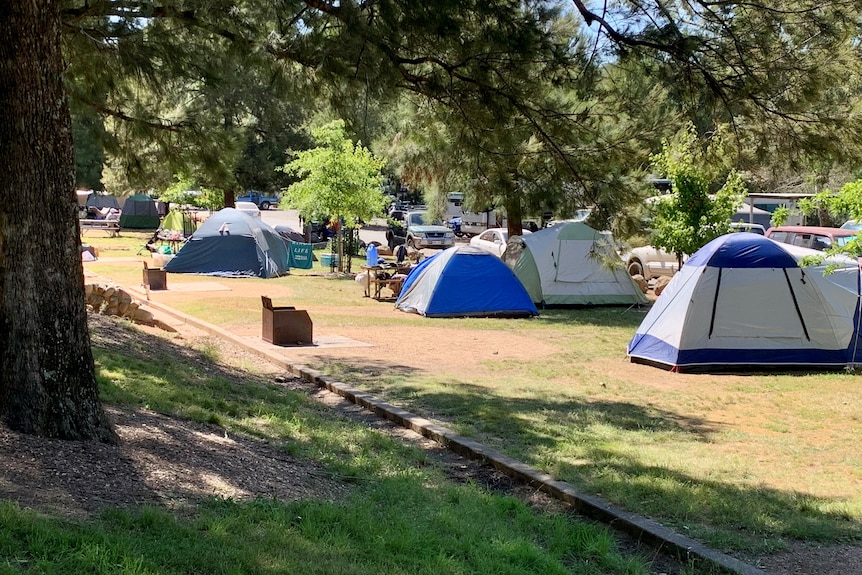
[285, 325]
[155, 278]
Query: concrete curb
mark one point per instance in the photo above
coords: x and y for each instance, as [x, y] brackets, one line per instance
[641, 528]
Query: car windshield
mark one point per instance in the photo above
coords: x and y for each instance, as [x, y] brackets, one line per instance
[422, 219]
[844, 240]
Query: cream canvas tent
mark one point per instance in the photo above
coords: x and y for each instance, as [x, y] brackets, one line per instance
[571, 264]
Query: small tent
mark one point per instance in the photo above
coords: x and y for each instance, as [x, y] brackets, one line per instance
[745, 301]
[139, 213]
[180, 223]
[464, 281]
[571, 264]
[231, 243]
[100, 200]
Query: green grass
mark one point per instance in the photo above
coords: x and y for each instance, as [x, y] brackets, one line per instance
[688, 472]
[652, 449]
[451, 529]
[744, 463]
[399, 514]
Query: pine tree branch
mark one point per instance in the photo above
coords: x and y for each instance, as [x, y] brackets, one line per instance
[159, 125]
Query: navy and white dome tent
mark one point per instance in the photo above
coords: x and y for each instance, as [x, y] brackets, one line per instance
[464, 281]
[745, 300]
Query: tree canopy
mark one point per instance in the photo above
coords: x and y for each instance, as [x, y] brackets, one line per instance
[690, 215]
[338, 180]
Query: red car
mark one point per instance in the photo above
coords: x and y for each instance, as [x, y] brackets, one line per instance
[812, 237]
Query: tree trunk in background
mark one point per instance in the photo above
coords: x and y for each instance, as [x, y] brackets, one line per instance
[514, 215]
[47, 377]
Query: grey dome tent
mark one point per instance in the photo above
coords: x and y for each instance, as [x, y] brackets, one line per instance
[139, 213]
[744, 301]
[231, 243]
[101, 200]
[571, 264]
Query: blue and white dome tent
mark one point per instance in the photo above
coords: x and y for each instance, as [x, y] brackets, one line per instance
[744, 301]
[464, 281]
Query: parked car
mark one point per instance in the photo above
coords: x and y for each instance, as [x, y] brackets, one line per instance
[651, 262]
[396, 233]
[493, 240]
[423, 232]
[852, 225]
[248, 207]
[261, 200]
[812, 237]
[747, 227]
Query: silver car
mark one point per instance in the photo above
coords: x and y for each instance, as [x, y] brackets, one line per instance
[423, 232]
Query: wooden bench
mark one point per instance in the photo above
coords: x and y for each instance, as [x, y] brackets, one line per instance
[112, 227]
[394, 284]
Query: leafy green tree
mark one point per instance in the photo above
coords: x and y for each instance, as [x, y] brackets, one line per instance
[88, 133]
[338, 179]
[845, 204]
[690, 216]
[186, 192]
[526, 160]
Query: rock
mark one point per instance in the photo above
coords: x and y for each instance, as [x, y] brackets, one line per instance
[111, 300]
[144, 316]
[641, 281]
[660, 284]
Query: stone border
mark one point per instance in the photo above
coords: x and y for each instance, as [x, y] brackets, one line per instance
[668, 541]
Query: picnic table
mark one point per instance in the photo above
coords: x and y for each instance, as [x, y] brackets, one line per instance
[112, 227]
[170, 238]
[379, 277]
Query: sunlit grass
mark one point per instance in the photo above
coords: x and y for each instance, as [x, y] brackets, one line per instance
[399, 515]
[723, 458]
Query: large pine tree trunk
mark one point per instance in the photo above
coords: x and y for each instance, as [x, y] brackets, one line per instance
[47, 378]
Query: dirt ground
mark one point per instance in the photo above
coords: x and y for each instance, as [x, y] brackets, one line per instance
[161, 475]
[173, 463]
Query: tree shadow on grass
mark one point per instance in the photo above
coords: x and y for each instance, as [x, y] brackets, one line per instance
[169, 405]
[575, 443]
